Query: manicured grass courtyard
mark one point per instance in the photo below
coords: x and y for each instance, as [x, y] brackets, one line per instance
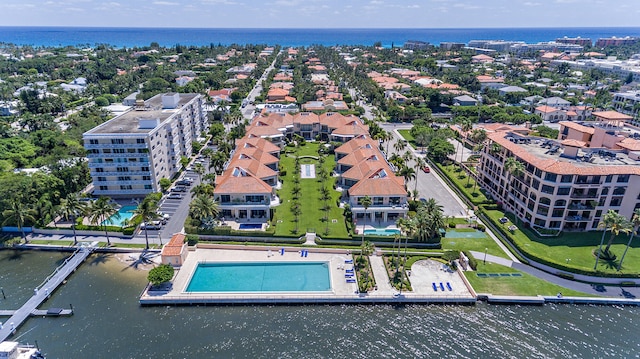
[525, 285]
[310, 200]
[465, 184]
[574, 250]
[473, 244]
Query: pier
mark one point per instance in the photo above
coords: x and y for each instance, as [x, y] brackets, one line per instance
[43, 292]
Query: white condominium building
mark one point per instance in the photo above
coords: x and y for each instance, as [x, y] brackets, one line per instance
[129, 154]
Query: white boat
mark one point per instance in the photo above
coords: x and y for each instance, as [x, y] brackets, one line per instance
[15, 350]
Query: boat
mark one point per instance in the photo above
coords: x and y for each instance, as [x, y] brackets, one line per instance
[15, 350]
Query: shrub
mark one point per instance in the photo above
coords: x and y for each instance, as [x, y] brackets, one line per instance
[128, 231]
[472, 260]
[452, 225]
[160, 274]
[192, 239]
[481, 227]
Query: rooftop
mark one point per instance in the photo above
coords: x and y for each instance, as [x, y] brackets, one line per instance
[129, 122]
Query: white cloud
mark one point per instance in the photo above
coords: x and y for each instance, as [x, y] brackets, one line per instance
[529, 3]
[165, 3]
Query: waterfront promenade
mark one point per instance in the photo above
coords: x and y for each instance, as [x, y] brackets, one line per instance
[43, 291]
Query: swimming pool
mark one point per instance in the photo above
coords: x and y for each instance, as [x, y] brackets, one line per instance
[260, 277]
[126, 212]
[250, 226]
[382, 232]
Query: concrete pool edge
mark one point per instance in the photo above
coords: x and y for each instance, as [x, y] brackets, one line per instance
[342, 291]
[206, 262]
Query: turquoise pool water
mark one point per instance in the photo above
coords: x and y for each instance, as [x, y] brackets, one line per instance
[382, 232]
[260, 277]
[126, 212]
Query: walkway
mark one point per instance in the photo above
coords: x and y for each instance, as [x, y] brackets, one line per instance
[42, 292]
[598, 290]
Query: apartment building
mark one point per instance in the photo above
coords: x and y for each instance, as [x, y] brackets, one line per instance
[129, 154]
[247, 187]
[568, 183]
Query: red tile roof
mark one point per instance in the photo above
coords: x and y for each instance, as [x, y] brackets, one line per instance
[175, 245]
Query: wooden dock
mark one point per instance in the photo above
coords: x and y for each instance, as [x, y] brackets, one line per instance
[43, 292]
[53, 312]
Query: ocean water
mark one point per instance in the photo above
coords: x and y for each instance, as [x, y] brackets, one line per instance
[109, 323]
[132, 37]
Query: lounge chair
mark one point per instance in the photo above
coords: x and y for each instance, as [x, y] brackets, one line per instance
[441, 286]
[351, 280]
[348, 261]
[435, 287]
[449, 286]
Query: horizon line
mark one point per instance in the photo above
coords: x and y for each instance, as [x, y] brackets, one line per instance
[318, 28]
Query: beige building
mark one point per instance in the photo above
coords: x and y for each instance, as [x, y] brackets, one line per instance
[175, 252]
[569, 183]
[129, 154]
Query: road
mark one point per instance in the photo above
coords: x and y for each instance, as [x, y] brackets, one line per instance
[249, 108]
[429, 185]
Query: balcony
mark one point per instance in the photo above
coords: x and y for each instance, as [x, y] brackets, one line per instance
[577, 219]
[581, 206]
[116, 145]
[592, 195]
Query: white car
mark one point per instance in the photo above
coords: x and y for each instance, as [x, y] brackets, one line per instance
[174, 195]
[151, 225]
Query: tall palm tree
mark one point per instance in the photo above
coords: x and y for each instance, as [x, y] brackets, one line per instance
[366, 203]
[148, 211]
[420, 164]
[100, 211]
[408, 173]
[199, 169]
[616, 224]
[399, 146]
[635, 222]
[70, 208]
[18, 214]
[203, 207]
[514, 168]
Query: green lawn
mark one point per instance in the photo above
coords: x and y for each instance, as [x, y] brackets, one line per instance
[574, 250]
[525, 285]
[311, 216]
[52, 242]
[473, 244]
[464, 184]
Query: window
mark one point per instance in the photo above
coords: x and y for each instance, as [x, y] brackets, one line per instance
[139, 140]
[599, 213]
[608, 179]
[535, 184]
[554, 224]
[619, 191]
[557, 213]
[538, 172]
[543, 210]
[378, 201]
[106, 150]
[615, 201]
[394, 201]
[102, 179]
[148, 186]
[545, 200]
[547, 189]
[581, 179]
[126, 187]
[551, 177]
[145, 169]
[566, 178]
[122, 169]
[99, 170]
[93, 142]
[605, 191]
[104, 188]
[563, 191]
[118, 150]
[560, 203]
[146, 178]
[225, 198]
[540, 222]
[254, 198]
[124, 178]
[623, 178]
[117, 141]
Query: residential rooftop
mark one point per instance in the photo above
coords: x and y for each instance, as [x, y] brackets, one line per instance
[143, 119]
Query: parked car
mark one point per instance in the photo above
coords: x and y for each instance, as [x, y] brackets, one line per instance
[151, 225]
[179, 189]
[174, 195]
[184, 182]
[426, 169]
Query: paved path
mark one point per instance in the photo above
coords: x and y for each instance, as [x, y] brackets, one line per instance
[43, 292]
[380, 274]
[598, 290]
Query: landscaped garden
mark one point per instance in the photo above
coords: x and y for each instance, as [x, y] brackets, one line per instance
[520, 284]
[321, 216]
[466, 184]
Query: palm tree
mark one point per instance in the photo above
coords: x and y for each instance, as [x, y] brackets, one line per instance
[71, 207]
[635, 222]
[18, 214]
[203, 207]
[408, 173]
[365, 202]
[420, 164]
[399, 146]
[514, 168]
[100, 211]
[199, 169]
[616, 224]
[148, 211]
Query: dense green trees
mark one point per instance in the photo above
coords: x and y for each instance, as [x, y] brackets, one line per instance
[160, 274]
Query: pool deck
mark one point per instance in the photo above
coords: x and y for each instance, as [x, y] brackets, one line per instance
[423, 274]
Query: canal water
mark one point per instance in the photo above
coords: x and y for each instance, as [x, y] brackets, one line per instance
[109, 323]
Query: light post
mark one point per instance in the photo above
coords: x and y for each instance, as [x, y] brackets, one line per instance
[485, 256]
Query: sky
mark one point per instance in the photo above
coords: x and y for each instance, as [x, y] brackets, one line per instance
[322, 13]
